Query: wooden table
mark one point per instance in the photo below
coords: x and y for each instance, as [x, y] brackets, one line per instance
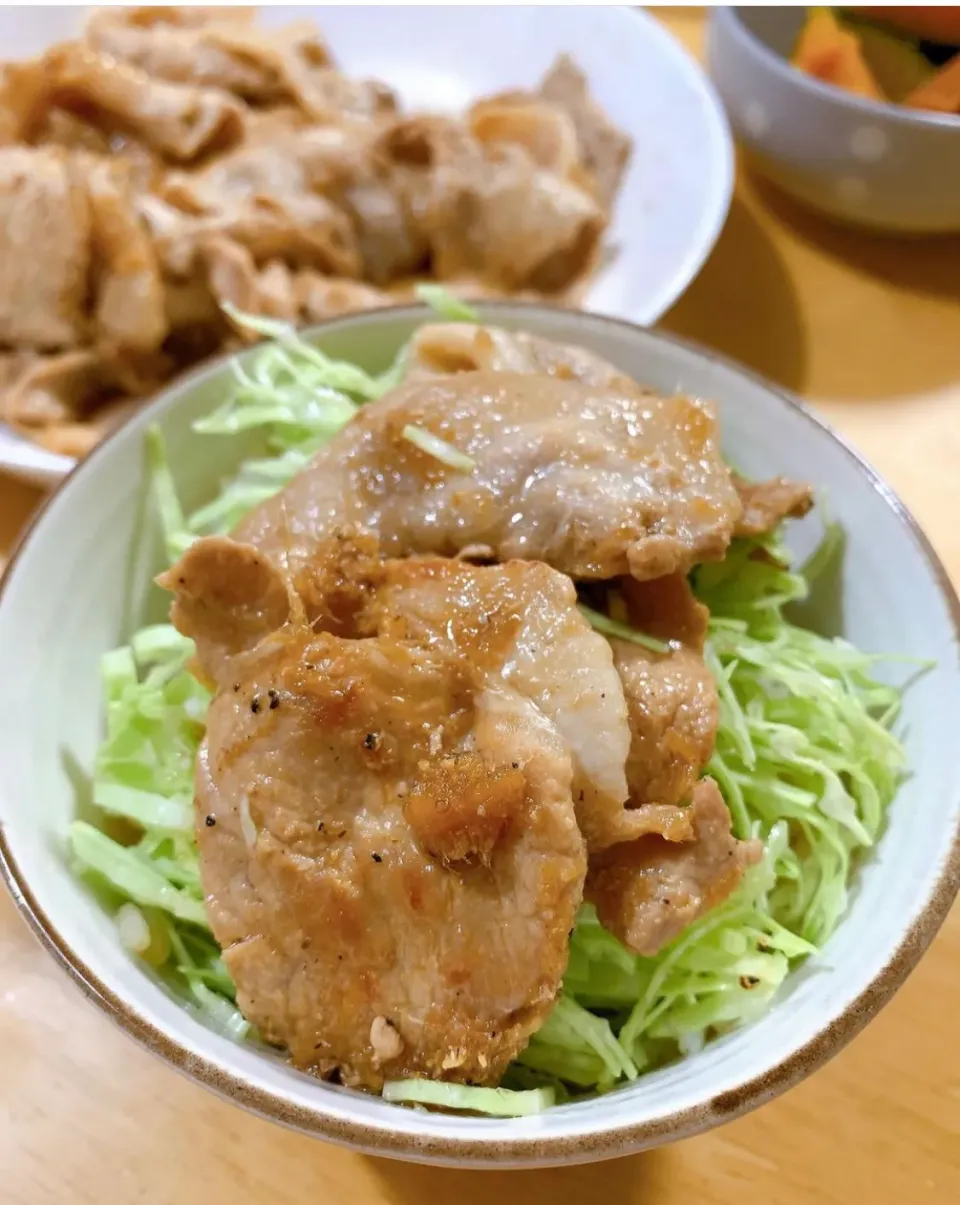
[870, 330]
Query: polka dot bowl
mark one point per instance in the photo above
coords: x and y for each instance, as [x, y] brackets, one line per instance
[873, 164]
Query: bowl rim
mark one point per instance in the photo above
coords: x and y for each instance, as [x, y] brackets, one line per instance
[534, 1149]
[729, 16]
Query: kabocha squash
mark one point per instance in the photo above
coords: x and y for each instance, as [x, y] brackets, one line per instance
[833, 54]
[896, 63]
[941, 93]
[880, 65]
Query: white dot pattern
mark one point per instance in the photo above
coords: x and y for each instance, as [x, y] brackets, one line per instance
[869, 144]
[756, 120]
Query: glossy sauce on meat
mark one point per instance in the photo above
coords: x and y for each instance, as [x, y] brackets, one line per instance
[648, 891]
[597, 482]
[351, 901]
[517, 622]
[671, 697]
[396, 796]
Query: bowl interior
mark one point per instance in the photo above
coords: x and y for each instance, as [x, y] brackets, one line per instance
[777, 28]
[82, 581]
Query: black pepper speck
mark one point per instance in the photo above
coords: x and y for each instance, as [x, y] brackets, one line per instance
[255, 704]
[377, 857]
[210, 821]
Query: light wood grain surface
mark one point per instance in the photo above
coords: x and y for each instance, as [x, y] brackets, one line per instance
[868, 329]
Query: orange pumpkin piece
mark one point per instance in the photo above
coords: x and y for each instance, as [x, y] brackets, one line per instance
[832, 54]
[941, 92]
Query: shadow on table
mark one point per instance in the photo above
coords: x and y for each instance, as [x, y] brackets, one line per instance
[743, 304]
[17, 500]
[638, 1180]
[928, 266]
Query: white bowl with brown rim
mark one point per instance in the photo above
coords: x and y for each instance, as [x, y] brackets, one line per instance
[81, 580]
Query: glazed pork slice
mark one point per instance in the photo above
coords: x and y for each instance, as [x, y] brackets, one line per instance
[177, 121]
[390, 858]
[517, 624]
[487, 209]
[672, 707]
[521, 619]
[443, 348]
[295, 295]
[227, 598]
[671, 697]
[218, 52]
[45, 242]
[388, 839]
[647, 892]
[563, 126]
[78, 266]
[604, 150]
[597, 482]
[767, 503]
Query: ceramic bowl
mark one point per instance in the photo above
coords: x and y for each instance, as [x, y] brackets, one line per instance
[873, 164]
[81, 581]
[677, 189]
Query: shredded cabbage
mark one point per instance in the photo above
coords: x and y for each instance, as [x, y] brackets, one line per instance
[298, 398]
[578, 1047]
[497, 1102]
[438, 448]
[133, 929]
[623, 631]
[805, 758]
[445, 304]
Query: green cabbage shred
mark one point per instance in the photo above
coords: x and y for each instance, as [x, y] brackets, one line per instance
[614, 627]
[438, 448]
[805, 758]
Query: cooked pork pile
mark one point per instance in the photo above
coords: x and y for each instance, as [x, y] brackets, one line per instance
[421, 757]
[176, 159]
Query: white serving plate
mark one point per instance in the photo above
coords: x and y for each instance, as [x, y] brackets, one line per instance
[675, 195]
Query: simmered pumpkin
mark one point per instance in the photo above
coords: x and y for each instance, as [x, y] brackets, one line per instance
[831, 53]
